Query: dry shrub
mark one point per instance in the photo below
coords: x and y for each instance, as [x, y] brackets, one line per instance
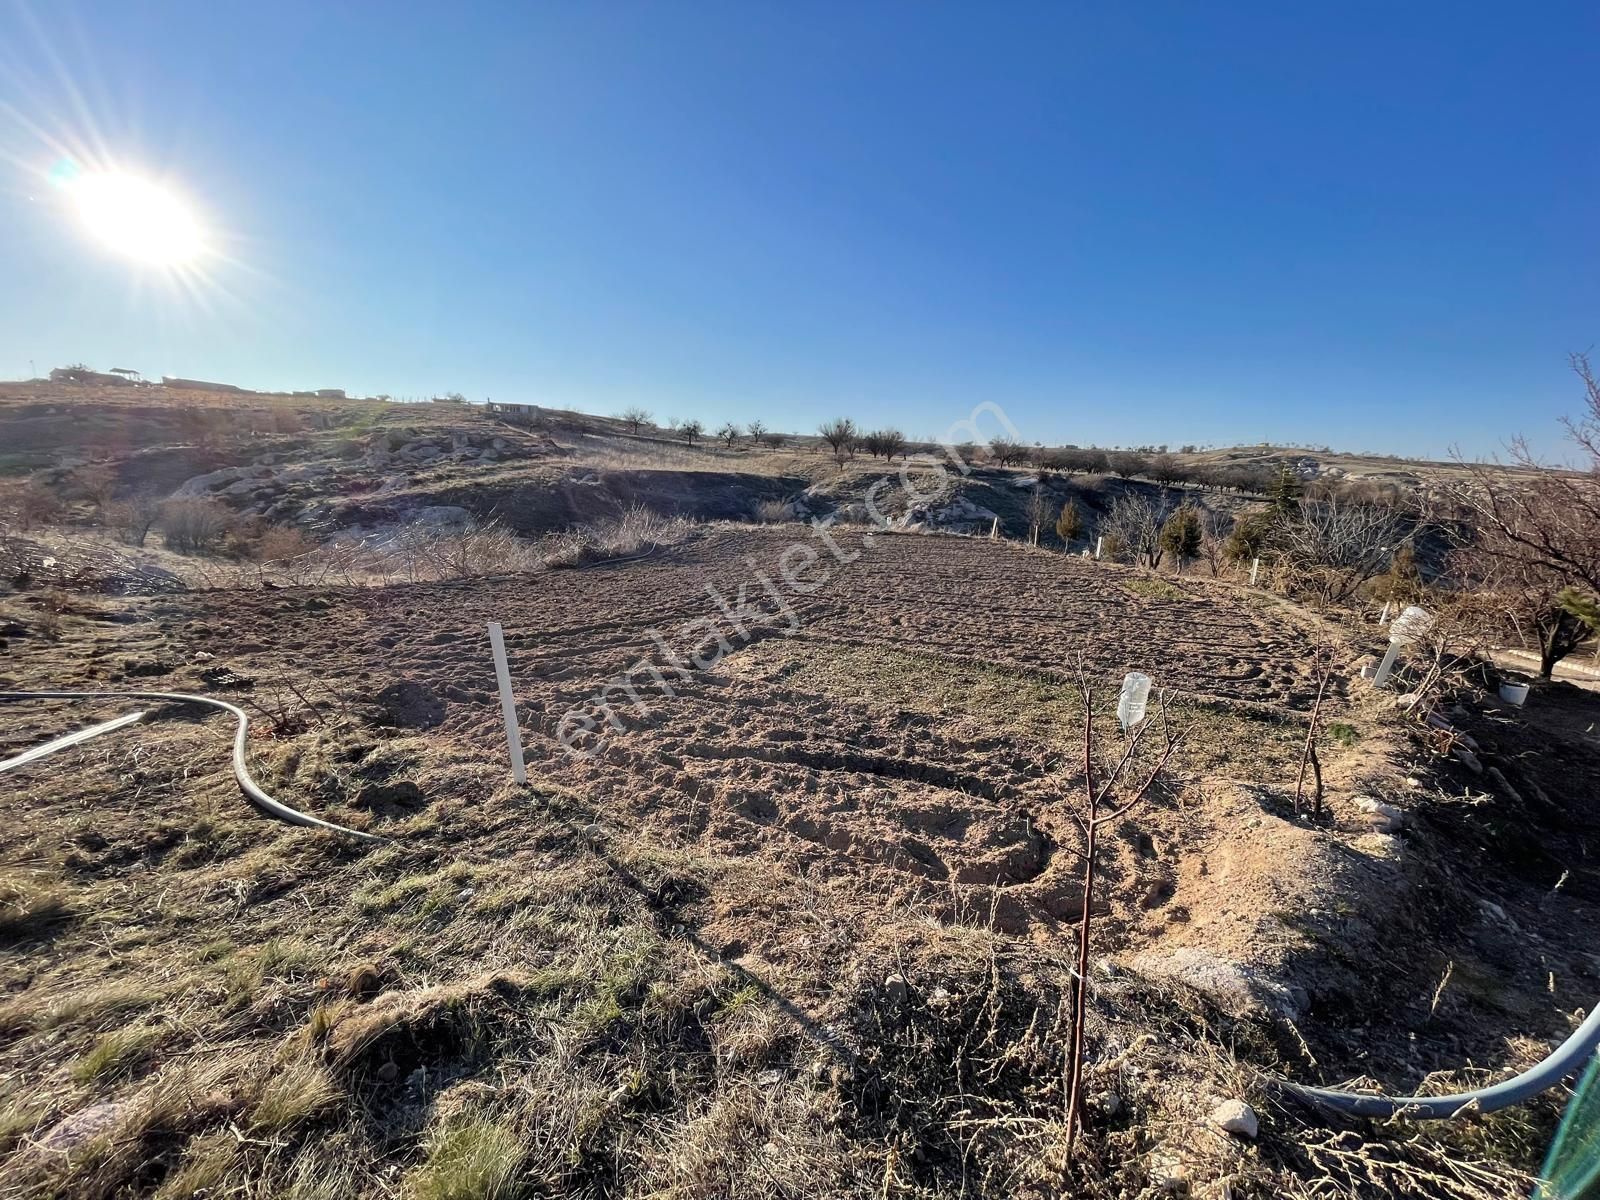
[132, 519]
[25, 505]
[637, 531]
[195, 526]
[419, 553]
[279, 544]
[773, 512]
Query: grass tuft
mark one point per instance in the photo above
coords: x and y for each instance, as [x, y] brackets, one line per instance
[116, 1053]
[471, 1158]
[294, 1095]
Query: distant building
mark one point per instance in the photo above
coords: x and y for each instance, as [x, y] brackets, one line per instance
[84, 375]
[331, 394]
[516, 414]
[198, 385]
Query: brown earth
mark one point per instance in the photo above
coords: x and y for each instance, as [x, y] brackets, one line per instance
[808, 917]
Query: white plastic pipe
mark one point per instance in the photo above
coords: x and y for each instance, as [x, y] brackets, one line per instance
[241, 769]
[70, 739]
[1098, 542]
[1255, 569]
[508, 703]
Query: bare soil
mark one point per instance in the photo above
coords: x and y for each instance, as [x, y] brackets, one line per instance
[801, 926]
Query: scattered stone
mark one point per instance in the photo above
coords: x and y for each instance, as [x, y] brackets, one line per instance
[1168, 1172]
[387, 1072]
[1236, 1117]
[1238, 990]
[1383, 818]
[1468, 759]
[895, 989]
[74, 1130]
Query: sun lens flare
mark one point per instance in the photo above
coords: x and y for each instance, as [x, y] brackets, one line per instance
[136, 218]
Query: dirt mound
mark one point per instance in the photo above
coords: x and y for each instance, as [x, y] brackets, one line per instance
[408, 704]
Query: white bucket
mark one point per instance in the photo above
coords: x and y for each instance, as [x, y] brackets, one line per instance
[1515, 694]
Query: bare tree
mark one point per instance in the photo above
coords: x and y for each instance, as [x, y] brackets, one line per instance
[1532, 533]
[841, 436]
[637, 418]
[1166, 470]
[774, 439]
[1008, 453]
[758, 431]
[1127, 463]
[1134, 526]
[885, 443]
[133, 518]
[690, 430]
[1213, 539]
[1106, 800]
[1038, 507]
[1332, 547]
[728, 434]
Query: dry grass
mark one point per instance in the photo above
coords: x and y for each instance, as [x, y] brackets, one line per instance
[296, 1092]
[471, 1158]
[116, 1053]
[637, 531]
[30, 908]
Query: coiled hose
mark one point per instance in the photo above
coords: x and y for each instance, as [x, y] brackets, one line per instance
[241, 770]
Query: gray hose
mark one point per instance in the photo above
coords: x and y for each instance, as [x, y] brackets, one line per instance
[241, 771]
[1567, 1059]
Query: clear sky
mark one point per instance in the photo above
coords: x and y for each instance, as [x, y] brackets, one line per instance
[1373, 226]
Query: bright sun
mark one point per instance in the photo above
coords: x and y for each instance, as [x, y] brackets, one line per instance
[137, 218]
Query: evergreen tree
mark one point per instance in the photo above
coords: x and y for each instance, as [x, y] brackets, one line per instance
[1249, 537]
[1285, 493]
[1069, 525]
[1181, 535]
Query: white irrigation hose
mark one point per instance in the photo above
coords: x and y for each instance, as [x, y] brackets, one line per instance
[241, 770]
[75, 738]
[1566, 1060]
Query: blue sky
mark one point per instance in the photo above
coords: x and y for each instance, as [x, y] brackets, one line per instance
[1367, 225]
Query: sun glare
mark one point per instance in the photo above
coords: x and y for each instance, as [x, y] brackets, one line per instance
[137, 218]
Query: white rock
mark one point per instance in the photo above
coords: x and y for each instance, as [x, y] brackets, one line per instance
[1168, 1172]
[895, 989]
[1236, 1117]
[1384, 818]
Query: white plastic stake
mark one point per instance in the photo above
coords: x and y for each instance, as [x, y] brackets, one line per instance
[69, 739]
[1255, 569]
[508, 704]
[1381, 676]
[1131, 704]
[1383, 617]
[1411, 625]
[1098, 542]
[994, 529]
